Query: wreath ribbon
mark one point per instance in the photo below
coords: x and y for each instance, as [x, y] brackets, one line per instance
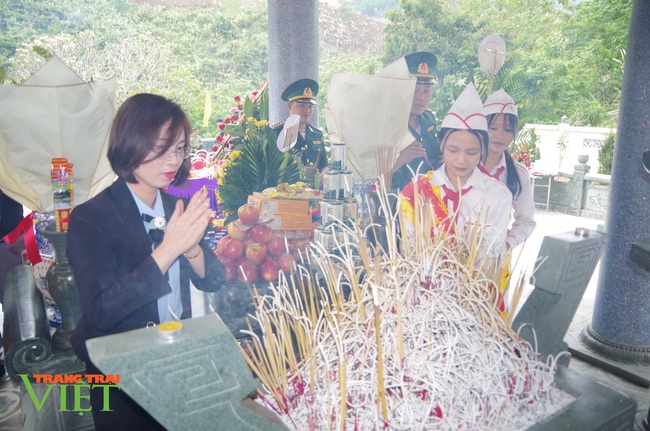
[26, 227]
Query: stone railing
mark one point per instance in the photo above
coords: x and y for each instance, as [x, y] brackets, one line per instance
[578, 193]
[560, 144]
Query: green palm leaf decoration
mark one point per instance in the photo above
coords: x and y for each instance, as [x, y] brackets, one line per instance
[253, 166]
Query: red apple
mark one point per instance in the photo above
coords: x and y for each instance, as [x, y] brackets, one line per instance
[248, 214]
[235, 231]
[276, 245]
[269, 270]
[247, 272]
[231, 268]
[260, 233]
[256, 253]
[221, 244]
[248, 242]
[287, 263]
[233, 249]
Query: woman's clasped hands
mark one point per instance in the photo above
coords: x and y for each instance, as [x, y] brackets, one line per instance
[184, 230]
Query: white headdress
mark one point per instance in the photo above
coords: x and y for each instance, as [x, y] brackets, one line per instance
[466, 112]
[499, 102]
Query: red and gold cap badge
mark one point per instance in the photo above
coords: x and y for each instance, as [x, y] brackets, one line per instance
[421, 65]
[303, 89]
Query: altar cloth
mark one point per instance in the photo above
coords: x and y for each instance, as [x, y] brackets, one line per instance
[193, 185]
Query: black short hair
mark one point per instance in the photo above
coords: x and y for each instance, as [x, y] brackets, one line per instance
[481, 135]
[135, 129]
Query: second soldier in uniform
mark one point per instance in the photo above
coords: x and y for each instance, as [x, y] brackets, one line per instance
[301, 100]
[424, 151]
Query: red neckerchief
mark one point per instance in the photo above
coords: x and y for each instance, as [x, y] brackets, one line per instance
[453, 196]
[496, 175]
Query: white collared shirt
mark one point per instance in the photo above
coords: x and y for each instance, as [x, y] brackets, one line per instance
[487, 204]
[173, 300]
[523, 218]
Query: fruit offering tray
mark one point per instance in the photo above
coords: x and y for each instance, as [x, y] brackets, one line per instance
[299, 190]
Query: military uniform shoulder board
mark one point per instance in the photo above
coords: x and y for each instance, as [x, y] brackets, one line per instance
[278, 125]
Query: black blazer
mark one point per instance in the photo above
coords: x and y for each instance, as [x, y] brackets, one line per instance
[118, 281]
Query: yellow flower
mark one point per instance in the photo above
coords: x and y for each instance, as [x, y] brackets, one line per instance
[219, 200]
[250, 119]
[225, 164]
[218, 222]
[261, 123]
[233, 155]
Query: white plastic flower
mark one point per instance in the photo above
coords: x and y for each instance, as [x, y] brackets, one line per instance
[158, 223]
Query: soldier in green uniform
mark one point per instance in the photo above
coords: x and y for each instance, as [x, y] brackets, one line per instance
[424, 151]
[301, 100]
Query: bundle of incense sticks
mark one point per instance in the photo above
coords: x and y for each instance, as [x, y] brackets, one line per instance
[361, 338]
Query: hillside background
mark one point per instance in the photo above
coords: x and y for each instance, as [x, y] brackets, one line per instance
[564, 58]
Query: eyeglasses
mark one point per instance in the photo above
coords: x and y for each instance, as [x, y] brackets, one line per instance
[179, 153]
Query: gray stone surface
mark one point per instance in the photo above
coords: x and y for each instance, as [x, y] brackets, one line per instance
[50, 417]
[623, 296]
[192, 382]
[597, 407]
[26, 333]
[560, 283]
[293, 50]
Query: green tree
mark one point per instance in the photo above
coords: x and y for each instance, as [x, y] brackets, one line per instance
[432, 25]
[139, 63]
[569, 58]
[606, 154]
[173, 51]
[22, 21]
[597, 36]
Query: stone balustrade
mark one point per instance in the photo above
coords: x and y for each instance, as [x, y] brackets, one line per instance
[578, 193]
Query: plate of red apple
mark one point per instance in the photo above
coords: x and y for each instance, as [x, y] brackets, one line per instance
[252, 250]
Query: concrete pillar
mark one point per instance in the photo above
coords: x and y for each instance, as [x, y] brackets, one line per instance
[293, 50]
[620, 327]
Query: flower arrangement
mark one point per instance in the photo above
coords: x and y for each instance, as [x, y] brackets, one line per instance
[525, 157]
[231, 129]
[252, 162]
[525, 149]
[236, 117]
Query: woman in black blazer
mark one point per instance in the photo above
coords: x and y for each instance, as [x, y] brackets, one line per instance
[123, 281]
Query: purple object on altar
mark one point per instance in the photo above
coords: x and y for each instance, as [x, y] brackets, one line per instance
[193, 185]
